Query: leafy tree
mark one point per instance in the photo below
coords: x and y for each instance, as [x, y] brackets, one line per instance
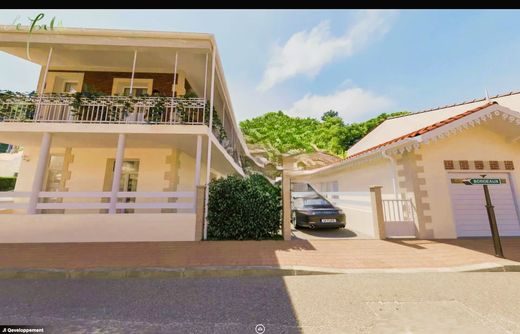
[330, 113]
[279, 133]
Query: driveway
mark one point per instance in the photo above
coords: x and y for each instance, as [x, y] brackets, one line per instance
[325, 234]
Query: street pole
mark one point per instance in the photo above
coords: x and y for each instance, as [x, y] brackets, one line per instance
[493, 223]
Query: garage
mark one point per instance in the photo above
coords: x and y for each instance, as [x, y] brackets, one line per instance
[468, 205]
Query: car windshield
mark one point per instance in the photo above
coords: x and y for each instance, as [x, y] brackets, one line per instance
[315, 203]
[305, 197]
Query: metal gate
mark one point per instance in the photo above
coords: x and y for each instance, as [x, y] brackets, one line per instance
[399, 217]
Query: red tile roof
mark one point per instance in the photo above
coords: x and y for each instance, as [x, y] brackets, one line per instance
[425, 129]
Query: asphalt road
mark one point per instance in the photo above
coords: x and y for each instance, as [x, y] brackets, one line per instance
[355, 303]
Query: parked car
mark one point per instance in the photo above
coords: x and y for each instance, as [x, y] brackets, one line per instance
[312, 210]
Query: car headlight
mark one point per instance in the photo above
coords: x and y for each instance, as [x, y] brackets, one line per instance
[308, 212]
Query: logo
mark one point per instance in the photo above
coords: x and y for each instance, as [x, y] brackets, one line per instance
[36, 24]
[259, 329]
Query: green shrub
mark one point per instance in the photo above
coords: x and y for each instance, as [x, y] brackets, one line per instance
[7, 183]
[244, 209]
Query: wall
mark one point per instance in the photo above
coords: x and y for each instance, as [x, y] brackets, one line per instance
[357, 180]
[10, 163]
[358, 213]
[97, 228]
[103, 81]
[462, 146]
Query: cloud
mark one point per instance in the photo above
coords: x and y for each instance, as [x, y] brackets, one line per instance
[306, 52]
[353, 104]
[248, 103]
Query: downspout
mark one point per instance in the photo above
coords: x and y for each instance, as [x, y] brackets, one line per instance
[417, 139]
[394, 171]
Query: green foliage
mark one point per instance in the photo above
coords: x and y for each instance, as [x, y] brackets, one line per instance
[22, 111]
[355, 131]
[157, 110]
[7, 183]
[279, 133]
[330, 113]
[244, 209]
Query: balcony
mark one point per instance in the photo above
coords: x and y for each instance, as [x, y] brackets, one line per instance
[78, 108]
[103, 109]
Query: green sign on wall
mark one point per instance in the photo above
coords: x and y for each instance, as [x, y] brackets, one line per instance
[470, 182]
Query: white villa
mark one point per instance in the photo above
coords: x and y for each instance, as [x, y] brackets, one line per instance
[128, 158]
[415, 167]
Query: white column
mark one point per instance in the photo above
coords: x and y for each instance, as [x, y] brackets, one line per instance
[39, 174]
[133, 73]
[44, 82]
[205, 84]
[120, 154]
[208, 161]
[174, 75]
[205, 77]
[198, 159]
[174, 88]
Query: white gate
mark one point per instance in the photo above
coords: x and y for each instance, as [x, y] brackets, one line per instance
[399, 218]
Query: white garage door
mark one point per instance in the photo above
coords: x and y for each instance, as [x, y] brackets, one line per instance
[469, 211]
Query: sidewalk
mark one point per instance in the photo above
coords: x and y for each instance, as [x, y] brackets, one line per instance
[324, 254]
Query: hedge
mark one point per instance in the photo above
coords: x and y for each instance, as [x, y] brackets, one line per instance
[244, 209]
[7, 183]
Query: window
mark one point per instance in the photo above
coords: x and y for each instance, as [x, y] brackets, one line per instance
[55, 181]
[140, 91]
[140, 86]
[70, 87]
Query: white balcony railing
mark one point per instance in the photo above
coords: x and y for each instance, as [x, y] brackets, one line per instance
[65, 108]
[88, 201]
[103, 109]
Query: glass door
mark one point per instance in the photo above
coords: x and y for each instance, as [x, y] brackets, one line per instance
[128, 182]
[54, 181]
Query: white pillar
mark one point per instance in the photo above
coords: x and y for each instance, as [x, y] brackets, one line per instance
[174, 75]
[44, 82]
[198, 159]
[205, 84]
[205, 77]
[133, 73]
[120, 154]
[208, 161]
[39, 174]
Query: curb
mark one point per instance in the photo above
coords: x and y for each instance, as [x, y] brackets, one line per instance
[244, 271]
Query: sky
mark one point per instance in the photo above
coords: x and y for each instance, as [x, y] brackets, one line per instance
[358, 62]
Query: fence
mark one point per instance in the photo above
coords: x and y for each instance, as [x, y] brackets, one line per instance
[100, 201]
[103, 109]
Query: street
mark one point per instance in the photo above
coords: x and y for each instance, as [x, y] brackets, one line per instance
[355, 303]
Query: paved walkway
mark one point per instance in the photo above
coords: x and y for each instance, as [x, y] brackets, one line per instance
[340, 254]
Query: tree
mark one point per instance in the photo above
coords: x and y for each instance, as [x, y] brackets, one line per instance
[330, 113]
[279, 133]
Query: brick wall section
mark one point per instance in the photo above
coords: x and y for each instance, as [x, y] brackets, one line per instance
[464, 164]
[448, 164]
[479, 164]
[509, 165]
[103, 81]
